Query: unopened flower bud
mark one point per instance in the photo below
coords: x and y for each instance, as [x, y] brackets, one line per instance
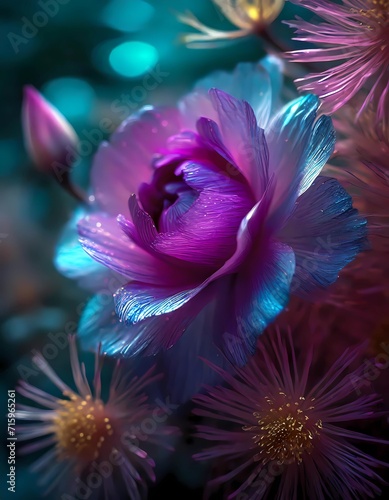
[49, 138]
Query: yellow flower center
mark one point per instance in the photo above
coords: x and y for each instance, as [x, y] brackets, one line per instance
[285, 432]
[82, 427]
[379, 11]
[262, 11]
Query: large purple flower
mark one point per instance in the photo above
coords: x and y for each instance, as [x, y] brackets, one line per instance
[211, 214]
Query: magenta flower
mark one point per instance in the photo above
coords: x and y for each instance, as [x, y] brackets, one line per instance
[274, 421]
[355, 39]
[209, 215]
[95, 446]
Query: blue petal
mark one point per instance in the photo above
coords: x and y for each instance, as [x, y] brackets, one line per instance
[321, 147]
[72, 261]
[326, 233]
[185, 372]
[257, 83]
[99, 323]
[291, 140]
[262, 290]
[137, 301]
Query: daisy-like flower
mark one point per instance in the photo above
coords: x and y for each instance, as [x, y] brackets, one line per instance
[96, 447]
[251, 16]
[354, 38]
[278, 421]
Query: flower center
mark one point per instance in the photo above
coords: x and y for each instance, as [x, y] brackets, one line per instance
[285, 432]
[166, 188]
[262, 11]
[378, 12]
[82, 427]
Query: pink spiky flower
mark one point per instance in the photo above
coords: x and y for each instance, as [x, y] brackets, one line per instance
[361, 164]
[362, 140]
[354, 38]
[95, 447]
[282, 424]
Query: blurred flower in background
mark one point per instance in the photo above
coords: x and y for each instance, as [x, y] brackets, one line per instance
[251, 16]
[94, 445]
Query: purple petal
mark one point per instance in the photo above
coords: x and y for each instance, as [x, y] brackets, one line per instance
[210, 132]
[212, 178]
[143, 230]
[257, 83]
[170, 217]
[325, 232]
[125, 162]
[206, 233]
[144, 233]
[136, 301]
[243, 138]
[195, 105]
[102, 238]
